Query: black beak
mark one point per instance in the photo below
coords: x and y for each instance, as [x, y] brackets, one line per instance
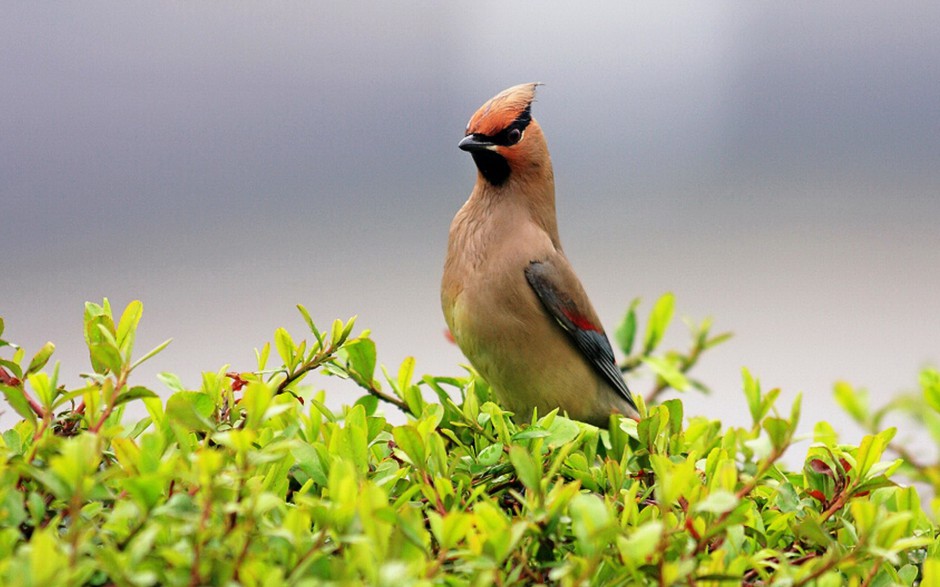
[473, 143]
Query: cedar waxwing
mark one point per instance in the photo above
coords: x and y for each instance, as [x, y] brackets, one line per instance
[510, 297]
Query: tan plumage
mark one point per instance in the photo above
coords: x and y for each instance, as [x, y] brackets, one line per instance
[510, 297]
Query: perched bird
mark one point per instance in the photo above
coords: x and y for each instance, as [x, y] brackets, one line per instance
[510, 297]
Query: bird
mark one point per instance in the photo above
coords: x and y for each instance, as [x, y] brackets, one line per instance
[511, 299]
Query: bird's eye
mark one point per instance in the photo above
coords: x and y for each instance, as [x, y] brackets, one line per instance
[513, 136]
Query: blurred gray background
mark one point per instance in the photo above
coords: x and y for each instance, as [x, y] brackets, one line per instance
[776, 166]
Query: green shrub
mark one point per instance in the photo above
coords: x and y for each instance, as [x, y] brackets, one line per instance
[250, 479]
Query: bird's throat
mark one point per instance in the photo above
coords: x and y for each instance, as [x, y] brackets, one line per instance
[493, 166]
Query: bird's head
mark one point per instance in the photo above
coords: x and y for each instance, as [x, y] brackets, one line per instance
[504, 139]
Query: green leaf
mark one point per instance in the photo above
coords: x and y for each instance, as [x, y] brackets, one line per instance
[824, 433]
[675, 409]
[104, 358]
[717, 502]
[659, 320]
[152, 353]
[795, 411]
[313, 328]
[76, 463]
[529, 433]
[336, 333]
[668, 372]
[753, 395]
[673, 480]
[40, 359]
[409, 440]
[127, 327]
[930, 384]
[626, 332]
[262, 356]
[931, 571]
[256, 399]
[870, 451]
[17, 400]
[717, 340]
[285, 347]
[760, 446]
[97, 316]
[172, 381]
[347, 330]
[106, 334]
[490, 455]
[405, 374]
[13, 367]
[449, 530]
[589, 518]
[352, 441]
[853, 401]
[617, 436]
[311, 462]
[811, 530]
[779, 431]
[562, 431]
[369, 402]
[361, 353]
[13, 441]
[786, 498]
[339, 332]
[649, 428]
[527, 468]
[191, 409]
[642, 542]
[48, 562]
[908, 574]
[413, 399]
[136, 392]
[146, 489]
[44, 389]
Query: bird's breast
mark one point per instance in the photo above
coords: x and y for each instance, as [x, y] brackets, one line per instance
[491, 305]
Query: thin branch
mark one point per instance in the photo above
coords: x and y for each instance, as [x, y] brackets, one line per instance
[871, 574]
[313, 364]
[906, 455]
[837, 504]
[324, 358]
[119, 385]
[400, 404]
[7, 378]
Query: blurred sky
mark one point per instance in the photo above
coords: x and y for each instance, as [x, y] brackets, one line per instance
[777, 166]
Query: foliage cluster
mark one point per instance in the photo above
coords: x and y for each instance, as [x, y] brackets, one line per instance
[251, 479]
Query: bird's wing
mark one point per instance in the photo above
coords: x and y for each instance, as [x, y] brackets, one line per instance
[563, 296]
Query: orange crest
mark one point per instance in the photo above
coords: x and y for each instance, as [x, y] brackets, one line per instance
[502, 110]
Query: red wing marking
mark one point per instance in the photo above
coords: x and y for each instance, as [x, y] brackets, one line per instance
[579, 320]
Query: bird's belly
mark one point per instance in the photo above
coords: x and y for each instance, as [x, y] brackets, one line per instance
[527, 359]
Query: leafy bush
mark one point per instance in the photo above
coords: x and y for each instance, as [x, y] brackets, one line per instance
[250, 479]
